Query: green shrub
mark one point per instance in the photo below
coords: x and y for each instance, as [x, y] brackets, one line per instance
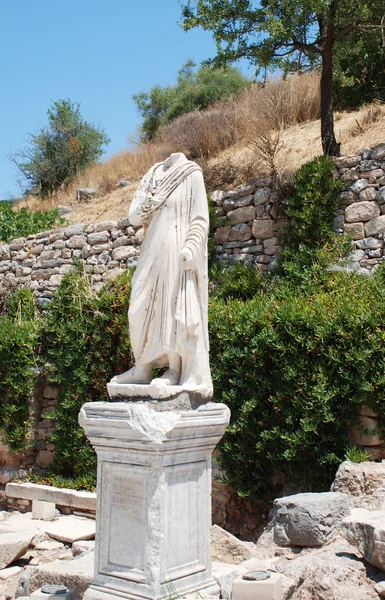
[23, 222]
[85, 342]
[195, 90]
[19, 345]
[310, 202]
[293, 366]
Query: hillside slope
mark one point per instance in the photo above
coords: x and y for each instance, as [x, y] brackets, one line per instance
[300, 143]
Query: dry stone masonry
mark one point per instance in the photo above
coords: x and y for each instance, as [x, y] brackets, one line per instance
[40, 261]
[252, 223]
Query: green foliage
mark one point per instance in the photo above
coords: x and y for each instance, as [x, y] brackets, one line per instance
[292, 35]
[356, 454]
[86, 482]
[19, 344]
[22, 305]
[85, 342]
[285, 34]
[59, 152]
[293, 365]
[310, 202]
[359, 71]
[194, 90]
[23, 222]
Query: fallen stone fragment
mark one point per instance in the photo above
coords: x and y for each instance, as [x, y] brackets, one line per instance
[380, 588]
[71, 530]
[9, 572]
[49, 545]
[366, 530]
[76, 573]
[333, 573]
[82, 546]
[309, 519]
[226, 548]
[13, 546]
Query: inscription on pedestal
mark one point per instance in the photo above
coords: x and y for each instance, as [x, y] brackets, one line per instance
[186, 498]
[125, 510]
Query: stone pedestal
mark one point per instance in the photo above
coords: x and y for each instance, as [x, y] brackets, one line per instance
[153, 497]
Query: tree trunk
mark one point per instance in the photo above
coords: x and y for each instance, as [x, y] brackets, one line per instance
[329, 144]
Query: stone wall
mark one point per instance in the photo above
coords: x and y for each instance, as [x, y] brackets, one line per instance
[252, 219]
[252, 222]
[251, 225]
[40, 450]
[40, 261]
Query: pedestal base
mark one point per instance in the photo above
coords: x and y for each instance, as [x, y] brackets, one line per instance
[153, 498]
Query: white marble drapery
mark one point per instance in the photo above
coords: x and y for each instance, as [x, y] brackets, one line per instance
[168, 307]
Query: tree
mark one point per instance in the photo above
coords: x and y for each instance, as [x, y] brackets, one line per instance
[359, 74]
[195, 90]
[293, 35]
[59, 152]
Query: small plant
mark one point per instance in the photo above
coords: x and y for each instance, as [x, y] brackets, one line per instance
[356, 454]
[266, 144]
[21, 223]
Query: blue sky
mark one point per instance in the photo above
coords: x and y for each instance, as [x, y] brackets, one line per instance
[94, 52]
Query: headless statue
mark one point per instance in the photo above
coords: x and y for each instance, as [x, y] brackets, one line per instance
[168, 305]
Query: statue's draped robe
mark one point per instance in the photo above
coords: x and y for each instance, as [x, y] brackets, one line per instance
[168, 307]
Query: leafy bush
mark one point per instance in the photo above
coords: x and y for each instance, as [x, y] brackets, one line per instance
[21, 223]
[85, 342]
[310, 202]
[194, 91]
[19, 344]
[359, 71]
[293, 366]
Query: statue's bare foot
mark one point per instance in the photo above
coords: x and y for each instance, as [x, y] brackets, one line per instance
[134, 375]
[170, 377]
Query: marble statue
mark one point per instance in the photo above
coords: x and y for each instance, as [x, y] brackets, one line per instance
[168, 306]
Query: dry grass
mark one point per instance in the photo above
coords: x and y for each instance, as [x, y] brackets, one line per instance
[219, 139]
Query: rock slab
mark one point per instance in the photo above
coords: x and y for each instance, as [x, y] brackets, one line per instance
[309, 519]
[13, 546]
[226, 548]
[366, 530]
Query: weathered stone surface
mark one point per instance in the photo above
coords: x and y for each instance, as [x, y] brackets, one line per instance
[242, 190]
[105, 226]
[77, 241]
[226, 548]
[332, 574]
[73, 230]
[359, 185]
[13, 546]
[240, 232]
[262, 196]
[367, 195]
[71, 530]
[366, 530]
[359, 479]
[241, 215]
[49, 545]
[309, 519]
[263, 228]
[375, 226]
[222, 234]
[83, 547]
[370, 243]
[378, 151]
[76, 573]
[98, 237]
[61, 496]
[64, 210]
[362, 211]
[347, 162]
[44, 458]
[380, 195]
[123, 253]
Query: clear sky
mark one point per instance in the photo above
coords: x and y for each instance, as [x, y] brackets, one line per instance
[94, 52]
